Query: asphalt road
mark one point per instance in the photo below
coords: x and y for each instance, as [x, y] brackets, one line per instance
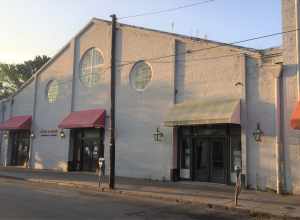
[23, 200]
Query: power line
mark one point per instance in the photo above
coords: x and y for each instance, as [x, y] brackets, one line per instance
[104, 69]
[202, 59]
[211, 58]
[210, 48]
[167, 10]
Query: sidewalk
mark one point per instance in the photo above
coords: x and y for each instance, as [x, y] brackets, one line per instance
[212, 195]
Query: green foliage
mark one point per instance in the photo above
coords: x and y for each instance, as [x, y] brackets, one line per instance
[12, 76]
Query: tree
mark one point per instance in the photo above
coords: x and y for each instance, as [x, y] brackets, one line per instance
[12, 76]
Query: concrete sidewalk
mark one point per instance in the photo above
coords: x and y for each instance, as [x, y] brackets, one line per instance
[214, 195]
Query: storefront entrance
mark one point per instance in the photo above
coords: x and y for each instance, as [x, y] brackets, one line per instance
[19, 147]
[209, 159]
[208, 153]
[88, 147]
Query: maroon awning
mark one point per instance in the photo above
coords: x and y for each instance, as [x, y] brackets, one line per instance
[93, 118]
[21, 122]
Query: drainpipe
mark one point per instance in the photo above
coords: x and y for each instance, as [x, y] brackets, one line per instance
[297, 47]
[30, 155]
[2, 120]
[278, 123]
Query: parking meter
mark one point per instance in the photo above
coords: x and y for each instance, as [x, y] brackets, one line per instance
[237, 169]
[101, 162]
[101, 173]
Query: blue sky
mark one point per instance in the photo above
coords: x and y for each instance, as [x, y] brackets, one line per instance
[34, 27]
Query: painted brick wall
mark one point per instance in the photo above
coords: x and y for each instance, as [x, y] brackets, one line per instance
[97, 35]
[291, 137]
[23, 101]
[261, 109]
[52, 152]
[139, 113]
[209, 73]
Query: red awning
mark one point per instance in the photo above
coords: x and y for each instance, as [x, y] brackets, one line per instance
[94, 118]
[295, 119]
[21, 122]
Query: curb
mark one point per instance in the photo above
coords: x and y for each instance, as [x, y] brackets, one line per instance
[156, 195]
[13, 178]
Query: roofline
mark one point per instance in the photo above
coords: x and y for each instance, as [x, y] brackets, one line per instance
[36, 74]
[179, 35]
[94, 20]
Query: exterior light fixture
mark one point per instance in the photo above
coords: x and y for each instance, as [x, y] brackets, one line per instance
[62, 134]
[32, 135]
[158, 135]
[5, 134]
[258, 133]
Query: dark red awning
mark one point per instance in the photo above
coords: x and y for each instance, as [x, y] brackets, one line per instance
[94, 118]
[295, 119]
[21, 122]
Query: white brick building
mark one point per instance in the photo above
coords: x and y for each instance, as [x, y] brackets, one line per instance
[207, 104]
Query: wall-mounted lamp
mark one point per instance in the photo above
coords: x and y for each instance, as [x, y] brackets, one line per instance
[258, 133]
[32, 135]
[62, 134]
[158, 135]
[5, 134]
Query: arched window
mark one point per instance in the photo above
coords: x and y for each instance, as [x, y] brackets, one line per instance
[140, 75]
[52, 91]
[91, 71]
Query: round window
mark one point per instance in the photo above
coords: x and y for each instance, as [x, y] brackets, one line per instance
[52, 91]
[91, 67]
[140, 75]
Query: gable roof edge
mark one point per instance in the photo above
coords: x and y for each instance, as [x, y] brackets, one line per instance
[55, 56]
[195, 39]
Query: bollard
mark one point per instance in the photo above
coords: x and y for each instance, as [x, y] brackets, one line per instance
[101, 172]
[238, 186]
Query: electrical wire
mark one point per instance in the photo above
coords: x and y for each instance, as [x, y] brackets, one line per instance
[153, 59]
[210, 48]
[166, 10]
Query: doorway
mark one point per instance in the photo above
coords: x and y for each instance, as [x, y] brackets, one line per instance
[20, 147]
[209, 160]
[88, 147]
[204, 152]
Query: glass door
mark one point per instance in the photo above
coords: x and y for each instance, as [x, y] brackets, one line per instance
[90, 155]
[207, 152]
[88, 147]
[209, 159]
[20, 147]
[217, 166]
[201, 159]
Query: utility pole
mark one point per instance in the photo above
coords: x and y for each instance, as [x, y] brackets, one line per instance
[112, 103]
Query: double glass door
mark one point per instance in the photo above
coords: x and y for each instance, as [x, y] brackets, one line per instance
[209, 160]
[204, 159]
[20, 147]
[88, 147]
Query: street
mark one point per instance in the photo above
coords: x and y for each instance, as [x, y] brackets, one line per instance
[23, 200]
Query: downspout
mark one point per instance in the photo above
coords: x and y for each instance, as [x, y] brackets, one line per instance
[297, 47]
[70, 149]
[2, 120]
[8, 140]
[30, 162]
[278, 123]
